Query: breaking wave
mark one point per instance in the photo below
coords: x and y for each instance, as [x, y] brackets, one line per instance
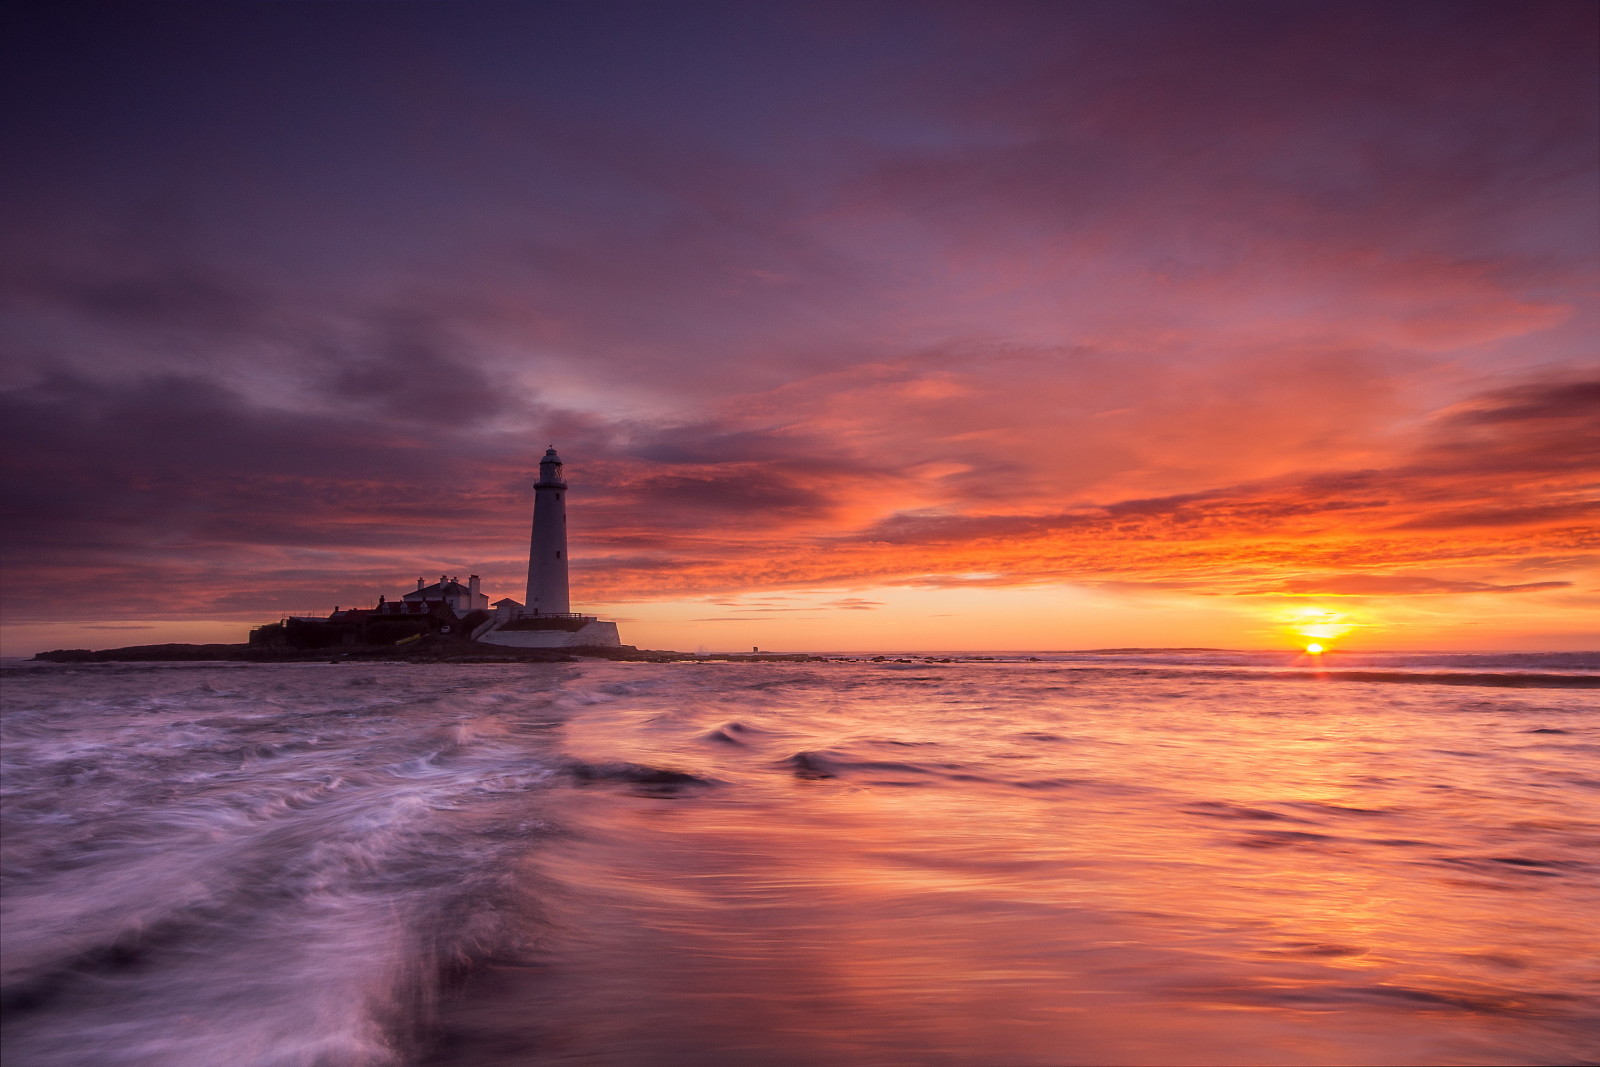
[278, 866]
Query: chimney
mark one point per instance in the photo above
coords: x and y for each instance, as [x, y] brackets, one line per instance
[472, 584]
[419, 583]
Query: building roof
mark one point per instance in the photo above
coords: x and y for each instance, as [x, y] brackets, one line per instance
[437, 591]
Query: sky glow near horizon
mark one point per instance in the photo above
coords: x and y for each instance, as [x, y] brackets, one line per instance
[961, 326]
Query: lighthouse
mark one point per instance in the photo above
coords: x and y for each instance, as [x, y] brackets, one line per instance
[547, 620]
[547, 551]
[451, 609]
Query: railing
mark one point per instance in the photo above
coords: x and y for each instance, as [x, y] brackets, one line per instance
[569, 621]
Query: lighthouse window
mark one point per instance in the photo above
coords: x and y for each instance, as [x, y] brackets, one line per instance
[558, 555]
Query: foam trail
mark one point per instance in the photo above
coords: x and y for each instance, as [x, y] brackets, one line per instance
[219, 875]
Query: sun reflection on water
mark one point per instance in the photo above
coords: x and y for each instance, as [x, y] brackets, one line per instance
[1005, 865]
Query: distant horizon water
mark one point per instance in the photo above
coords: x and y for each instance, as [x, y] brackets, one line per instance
[1128, 650]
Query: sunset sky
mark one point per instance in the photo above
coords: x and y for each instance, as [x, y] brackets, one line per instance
[859, 325]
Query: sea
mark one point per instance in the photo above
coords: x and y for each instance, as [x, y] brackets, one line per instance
[1126, 857]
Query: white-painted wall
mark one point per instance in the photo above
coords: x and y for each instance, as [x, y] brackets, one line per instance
[601, 634]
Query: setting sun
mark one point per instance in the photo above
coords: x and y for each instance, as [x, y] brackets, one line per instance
[1314, 649]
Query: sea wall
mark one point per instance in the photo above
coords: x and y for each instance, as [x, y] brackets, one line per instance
[593, 634]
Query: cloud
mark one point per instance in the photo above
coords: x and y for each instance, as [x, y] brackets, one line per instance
[165, 296]
[176, 495]
[412, 380]
[1235, 536]
[1574, 512]
[1398, 585]
[243, 508]
[854, 603]
[1545, 403]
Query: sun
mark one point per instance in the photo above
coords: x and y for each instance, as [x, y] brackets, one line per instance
[1315, 649]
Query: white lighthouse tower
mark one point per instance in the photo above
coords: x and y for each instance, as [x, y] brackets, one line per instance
[547, 620]
[547, 553]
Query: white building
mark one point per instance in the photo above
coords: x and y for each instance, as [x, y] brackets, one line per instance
[547, 619]
[462, 599]
[547, 548]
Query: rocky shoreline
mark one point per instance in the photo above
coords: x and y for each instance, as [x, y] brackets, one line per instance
[434, 648]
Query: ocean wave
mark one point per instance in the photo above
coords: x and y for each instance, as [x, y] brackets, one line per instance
[1503, 679]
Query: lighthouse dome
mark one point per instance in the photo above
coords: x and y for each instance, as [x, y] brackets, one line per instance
[550, 471]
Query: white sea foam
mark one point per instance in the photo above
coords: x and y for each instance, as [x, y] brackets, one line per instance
[202, 873]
